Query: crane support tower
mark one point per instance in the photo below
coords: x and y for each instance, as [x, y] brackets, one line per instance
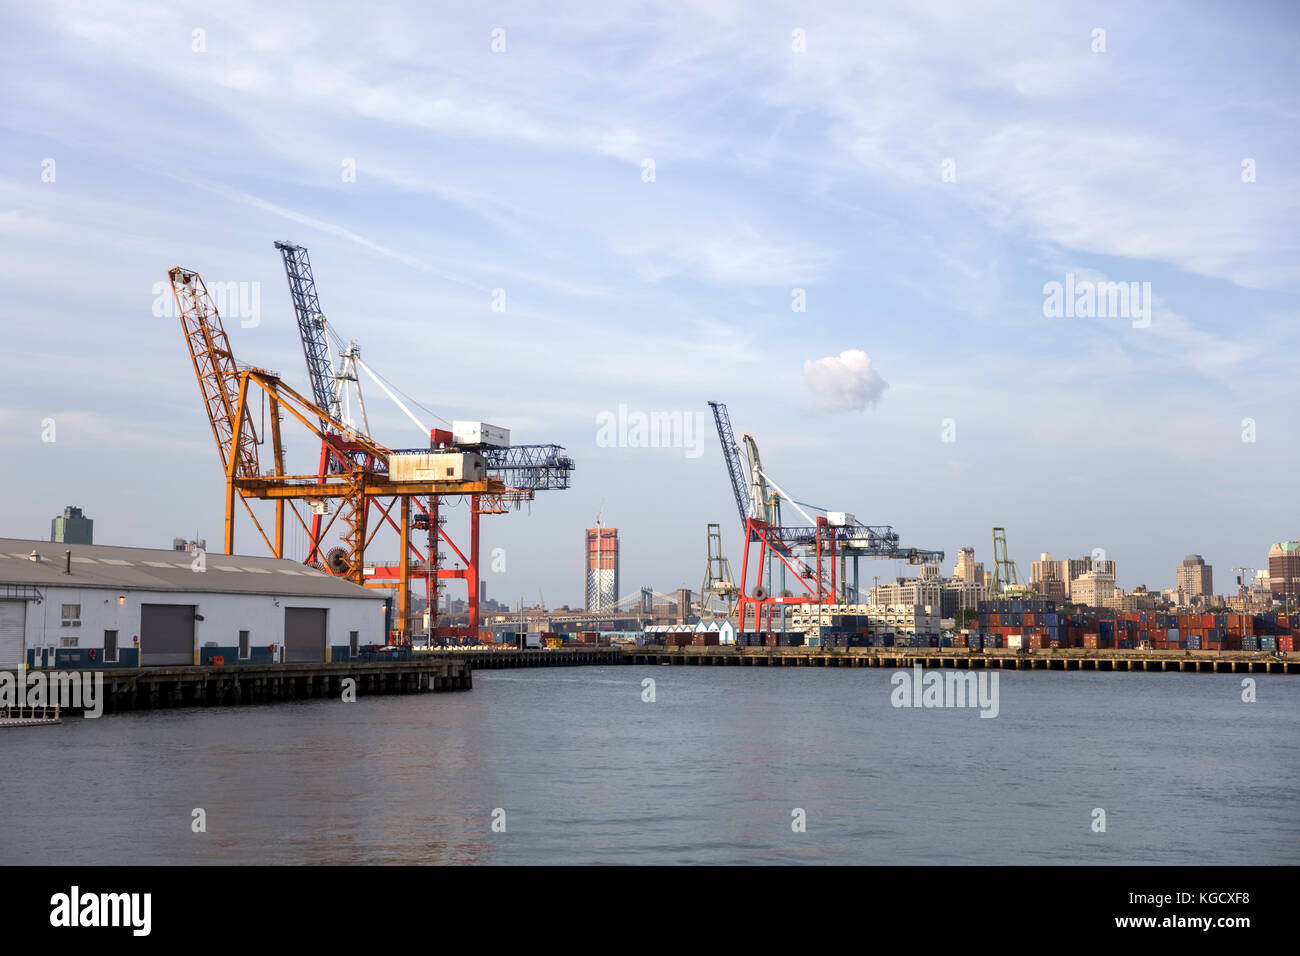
[718, 592]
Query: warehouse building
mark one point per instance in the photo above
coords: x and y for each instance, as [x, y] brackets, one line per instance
[101, 606]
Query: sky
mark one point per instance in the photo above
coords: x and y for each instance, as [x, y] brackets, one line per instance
[841, 219]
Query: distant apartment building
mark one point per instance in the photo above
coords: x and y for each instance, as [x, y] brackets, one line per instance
[957, 595]
[1073, 568]
[72, 527]
[1094, 589]
[912, 592]
[602, 568]
[1195, 579]
[1139, 599]
[1284, 570]
[946, 595]
[1045, 577]
[967, 568]
[1259, 594]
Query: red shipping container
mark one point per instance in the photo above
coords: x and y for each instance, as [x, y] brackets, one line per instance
[1285, 642]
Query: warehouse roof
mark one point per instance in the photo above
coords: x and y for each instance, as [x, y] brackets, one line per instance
[152, 569]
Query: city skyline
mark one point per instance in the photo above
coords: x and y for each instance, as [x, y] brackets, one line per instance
[848, 225]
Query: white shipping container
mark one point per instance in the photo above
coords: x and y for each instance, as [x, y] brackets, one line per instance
[840, 519]
[480, 433]
[439, 466]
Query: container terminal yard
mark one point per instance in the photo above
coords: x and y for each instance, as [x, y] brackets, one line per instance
[185, 627]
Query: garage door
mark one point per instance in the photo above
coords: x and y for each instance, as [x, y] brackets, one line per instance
[166, 635]
[13, 626]
[304, 634]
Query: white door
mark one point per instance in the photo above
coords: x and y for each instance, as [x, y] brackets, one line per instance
[13, 628]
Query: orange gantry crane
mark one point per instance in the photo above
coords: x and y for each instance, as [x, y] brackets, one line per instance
[523, 468]
[233, 394]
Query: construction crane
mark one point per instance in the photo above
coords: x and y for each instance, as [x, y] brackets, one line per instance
[1006, 578]
[228, 392]
[719, 586]
[820, 541]
[521, 469]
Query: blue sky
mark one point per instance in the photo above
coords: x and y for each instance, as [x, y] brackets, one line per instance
[775, 169]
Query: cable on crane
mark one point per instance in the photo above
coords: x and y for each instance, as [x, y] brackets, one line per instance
[342, 345]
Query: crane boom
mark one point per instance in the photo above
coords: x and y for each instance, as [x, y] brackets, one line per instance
[218, 375]
[311, 327]
[731, 455]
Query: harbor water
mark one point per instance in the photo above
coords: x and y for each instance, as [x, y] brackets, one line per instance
[725, 765]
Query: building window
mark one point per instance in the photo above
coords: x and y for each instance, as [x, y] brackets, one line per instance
[110, 647]
[243, 645]
[71, 616]
[68, 641]
[354, 642]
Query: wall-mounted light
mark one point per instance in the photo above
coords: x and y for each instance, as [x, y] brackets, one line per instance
[121, 599]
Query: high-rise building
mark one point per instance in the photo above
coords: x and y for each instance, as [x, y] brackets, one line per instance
[180, 544]
[968, 569]
[1072, 568]
[602, 568]
[1093, 589]
[72, 527]
[1045, 577]
[684, 605]
[1284, 570]
[1194, 578]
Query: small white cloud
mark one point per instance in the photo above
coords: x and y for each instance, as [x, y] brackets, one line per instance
[845, 383]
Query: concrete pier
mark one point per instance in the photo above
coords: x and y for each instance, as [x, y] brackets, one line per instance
[494, 658]
[1064, 659]
[144, 688]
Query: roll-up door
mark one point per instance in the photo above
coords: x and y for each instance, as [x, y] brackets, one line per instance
[304, 635]
[166, 635]
[13, 629]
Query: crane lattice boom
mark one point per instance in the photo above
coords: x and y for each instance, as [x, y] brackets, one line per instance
[731, 455]
[315, 346]
[218, 375]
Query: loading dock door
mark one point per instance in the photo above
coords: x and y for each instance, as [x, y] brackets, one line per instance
[166, 635]
[13, 627]
[304, 635]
